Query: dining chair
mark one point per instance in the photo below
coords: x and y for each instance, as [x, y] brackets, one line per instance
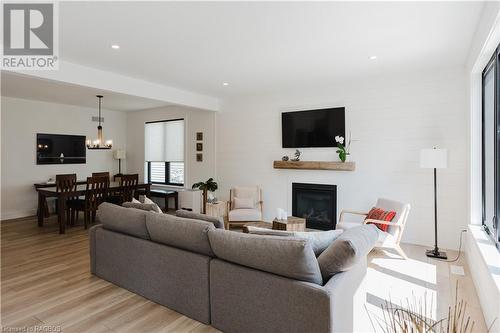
[101, 174]
[128, 187]
[66, 183]
[95, 194]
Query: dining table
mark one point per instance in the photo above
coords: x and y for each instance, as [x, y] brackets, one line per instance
[49, 190]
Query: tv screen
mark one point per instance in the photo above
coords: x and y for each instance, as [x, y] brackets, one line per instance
[313, 128]
[60, 149]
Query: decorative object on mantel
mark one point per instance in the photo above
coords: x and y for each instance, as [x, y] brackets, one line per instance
[342, 150]
[297, 156]
[315, 165]
[209, 185]
[99, 143]
[434, 159]
[119, 155]
[285, 158]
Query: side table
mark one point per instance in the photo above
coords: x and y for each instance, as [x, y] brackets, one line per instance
[218, 209]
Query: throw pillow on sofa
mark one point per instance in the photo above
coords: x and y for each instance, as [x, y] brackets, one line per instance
[139, 205]
[347, 250]
[217, 221]
[145, 200]
[319, 240]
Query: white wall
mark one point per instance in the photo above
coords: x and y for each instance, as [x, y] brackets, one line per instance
[21, 120]
[195, 121]
[391, 118]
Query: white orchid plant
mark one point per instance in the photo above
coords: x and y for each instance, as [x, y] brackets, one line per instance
[343, 150]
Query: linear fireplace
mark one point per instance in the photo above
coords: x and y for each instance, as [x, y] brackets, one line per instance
[316, 203]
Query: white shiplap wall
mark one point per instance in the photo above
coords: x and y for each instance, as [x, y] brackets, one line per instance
[391, 119]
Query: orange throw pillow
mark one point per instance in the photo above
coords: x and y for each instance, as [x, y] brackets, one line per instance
[382, 215]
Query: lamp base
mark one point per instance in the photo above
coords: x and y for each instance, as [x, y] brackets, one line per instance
[436, 254]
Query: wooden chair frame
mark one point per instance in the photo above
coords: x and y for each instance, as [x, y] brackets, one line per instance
[66, 183]
[401, 226]
[95, 194]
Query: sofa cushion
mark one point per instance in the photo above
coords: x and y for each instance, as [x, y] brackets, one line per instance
[286, 256]
[130, 221]
[186, 234]
[352, 245]
[239, 215]
[217, 221]
[319, 240]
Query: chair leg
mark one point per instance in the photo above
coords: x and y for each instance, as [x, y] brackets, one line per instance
[85, 218]
[93, 216]
[400, 251]
[68, 216]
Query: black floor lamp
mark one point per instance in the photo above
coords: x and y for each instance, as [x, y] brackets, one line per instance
[434, 159]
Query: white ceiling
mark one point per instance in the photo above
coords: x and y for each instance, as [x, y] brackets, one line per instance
[29, 87]
[260, 47]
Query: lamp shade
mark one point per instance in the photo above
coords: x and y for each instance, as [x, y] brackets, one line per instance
[433, 158]
[119, 154]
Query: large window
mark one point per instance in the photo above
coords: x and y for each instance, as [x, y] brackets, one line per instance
[491, 147]
[165, 152]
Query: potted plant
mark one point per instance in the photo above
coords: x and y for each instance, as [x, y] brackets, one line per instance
[209, 185]
[342, 150]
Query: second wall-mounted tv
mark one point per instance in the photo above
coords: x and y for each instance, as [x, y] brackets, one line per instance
[60, 149]
[312, 128]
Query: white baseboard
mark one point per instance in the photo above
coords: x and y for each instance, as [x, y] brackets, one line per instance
[17, 214]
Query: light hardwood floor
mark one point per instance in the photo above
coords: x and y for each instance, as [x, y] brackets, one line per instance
[45, 282]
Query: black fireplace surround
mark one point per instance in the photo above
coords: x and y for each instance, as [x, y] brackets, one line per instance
[316, 203]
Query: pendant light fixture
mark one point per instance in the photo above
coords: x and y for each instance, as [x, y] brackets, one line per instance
[99, 143]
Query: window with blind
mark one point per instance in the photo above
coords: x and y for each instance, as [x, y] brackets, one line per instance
[164, 152]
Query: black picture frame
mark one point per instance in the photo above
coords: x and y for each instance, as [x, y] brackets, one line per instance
[199, 136]
[199, 157]
[199, 146]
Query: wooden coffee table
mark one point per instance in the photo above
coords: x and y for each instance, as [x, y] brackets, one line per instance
[292, 224]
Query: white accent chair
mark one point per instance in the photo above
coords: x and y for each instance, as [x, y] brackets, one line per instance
[241, 216]
[392, 237]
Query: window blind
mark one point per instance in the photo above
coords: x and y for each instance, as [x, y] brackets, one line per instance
[164, 141]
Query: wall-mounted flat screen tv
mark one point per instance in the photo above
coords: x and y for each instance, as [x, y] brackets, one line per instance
[60, 149]
[312, 128]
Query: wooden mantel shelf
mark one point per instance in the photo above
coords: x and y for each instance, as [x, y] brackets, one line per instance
[315, 165]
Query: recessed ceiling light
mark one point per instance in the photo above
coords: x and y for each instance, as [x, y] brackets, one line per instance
[115, 46]
[374, 57]
[225, 84]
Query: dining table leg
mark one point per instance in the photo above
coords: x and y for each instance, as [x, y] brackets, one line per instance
[61, 214]
[40, 211]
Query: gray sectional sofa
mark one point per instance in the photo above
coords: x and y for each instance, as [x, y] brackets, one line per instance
[235, 282]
